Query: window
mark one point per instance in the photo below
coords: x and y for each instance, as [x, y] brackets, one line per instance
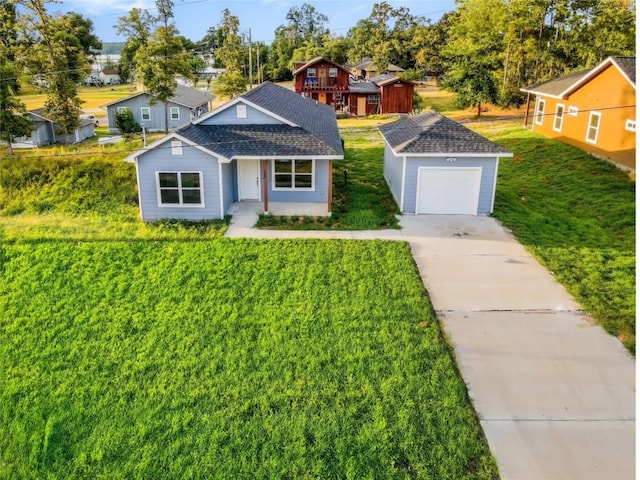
[593, 127]
[630, 125]
[293, 174]
[573, 111]
[145, 113]
[179, 188]
[333, 72]
[540, 111]
[338, 96]
[372, 99]
[557, 121]
[311, 72]
[241, 110]
[175, 113]
[122, 109]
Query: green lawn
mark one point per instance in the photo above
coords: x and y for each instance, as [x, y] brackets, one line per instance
[226, 359]
[576, 214]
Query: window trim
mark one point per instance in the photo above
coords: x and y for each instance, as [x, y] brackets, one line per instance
[539, 116]
[333, 72]
[311, 72]
[590, 128]
[293, 187]
[181, 204]
[172, 110]
[373, 99]
[121, 110]
[560, 117]
[630, 125]
[148, 114]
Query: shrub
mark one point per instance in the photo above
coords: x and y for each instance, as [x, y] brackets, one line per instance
[126, 123]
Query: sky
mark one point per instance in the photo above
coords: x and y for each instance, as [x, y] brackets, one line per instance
[194, 17]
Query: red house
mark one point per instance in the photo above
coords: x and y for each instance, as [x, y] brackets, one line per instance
[331, 83]
[323, 80]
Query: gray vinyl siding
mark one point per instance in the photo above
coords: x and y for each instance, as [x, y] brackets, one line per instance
[156, 123]
[229, 116]
[393, 173]
[320, 194]
[488, 166]
[160, 159]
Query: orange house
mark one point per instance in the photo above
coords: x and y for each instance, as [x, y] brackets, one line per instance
[593, 109]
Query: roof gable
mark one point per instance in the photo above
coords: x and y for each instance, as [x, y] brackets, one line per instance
[432, 133]
[563, 86]
[316, 60]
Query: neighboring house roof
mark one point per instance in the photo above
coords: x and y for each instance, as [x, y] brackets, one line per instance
[385, 79]
[367, 64]
[185, 96]
[563, 86]
[317, 60]
[110, 71]
[363, 87]
[433, 133]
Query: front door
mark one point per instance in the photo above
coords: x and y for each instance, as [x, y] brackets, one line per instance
[322, 97]
[362, 106]
[248, 180]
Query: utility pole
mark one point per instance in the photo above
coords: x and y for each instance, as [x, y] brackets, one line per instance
[250, 66]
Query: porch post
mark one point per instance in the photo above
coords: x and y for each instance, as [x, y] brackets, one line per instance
[526, 114]
[265, 186]
[330, 187]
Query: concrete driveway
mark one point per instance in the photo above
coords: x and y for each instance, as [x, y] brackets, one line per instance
[555, 394]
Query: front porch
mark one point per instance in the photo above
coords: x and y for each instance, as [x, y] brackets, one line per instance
[255, 208]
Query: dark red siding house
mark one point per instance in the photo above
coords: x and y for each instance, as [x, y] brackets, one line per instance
[330, 83]
[324, 81]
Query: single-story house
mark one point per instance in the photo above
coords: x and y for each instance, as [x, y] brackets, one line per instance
[185, 105]
[109, 76]
[593, 109]
[365, 69]
[434, 165]
[269, 144]
[45, 132]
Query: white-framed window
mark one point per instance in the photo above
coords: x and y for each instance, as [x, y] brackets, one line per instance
[593, 127]
[333, 71]
[311, 72]
[175, 113]
[176, 147]
[122, 109]
[559, 117]
[540, 111]
[293, 174]
[241, 110]
[338, 96]
[573, 111]
[176, 189]
[145, 113]
[373, 99]
[630, 125]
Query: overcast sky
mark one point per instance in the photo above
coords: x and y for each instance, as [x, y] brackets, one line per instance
[194, 17]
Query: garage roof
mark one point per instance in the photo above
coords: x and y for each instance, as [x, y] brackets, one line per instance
[434, 133]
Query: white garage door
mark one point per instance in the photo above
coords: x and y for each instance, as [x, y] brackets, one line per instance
[448, 190]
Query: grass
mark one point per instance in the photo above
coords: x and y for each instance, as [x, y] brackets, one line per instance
[576, 214]
[227, 359]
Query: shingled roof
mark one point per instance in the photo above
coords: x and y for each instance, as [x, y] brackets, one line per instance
[310, 128]
[562, 86]
[433, 133]
[186, 96]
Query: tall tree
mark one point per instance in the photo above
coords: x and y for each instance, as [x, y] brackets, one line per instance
[164, 56]
[136, 26]
[231, 55]
[82, 28]
[52, 50]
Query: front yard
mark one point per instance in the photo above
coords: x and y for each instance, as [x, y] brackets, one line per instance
[227, 359]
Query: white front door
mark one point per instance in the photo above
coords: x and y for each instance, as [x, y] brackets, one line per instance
[248, 180]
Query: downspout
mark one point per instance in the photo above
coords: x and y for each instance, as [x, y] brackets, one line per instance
[265, 185]
[330, 187]
[526, 115]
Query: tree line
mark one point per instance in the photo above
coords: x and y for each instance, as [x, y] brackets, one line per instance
[483, 50]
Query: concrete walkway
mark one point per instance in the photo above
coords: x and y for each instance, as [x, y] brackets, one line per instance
[555, 394]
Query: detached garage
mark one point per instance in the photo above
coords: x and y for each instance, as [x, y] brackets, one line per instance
[434, 165]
